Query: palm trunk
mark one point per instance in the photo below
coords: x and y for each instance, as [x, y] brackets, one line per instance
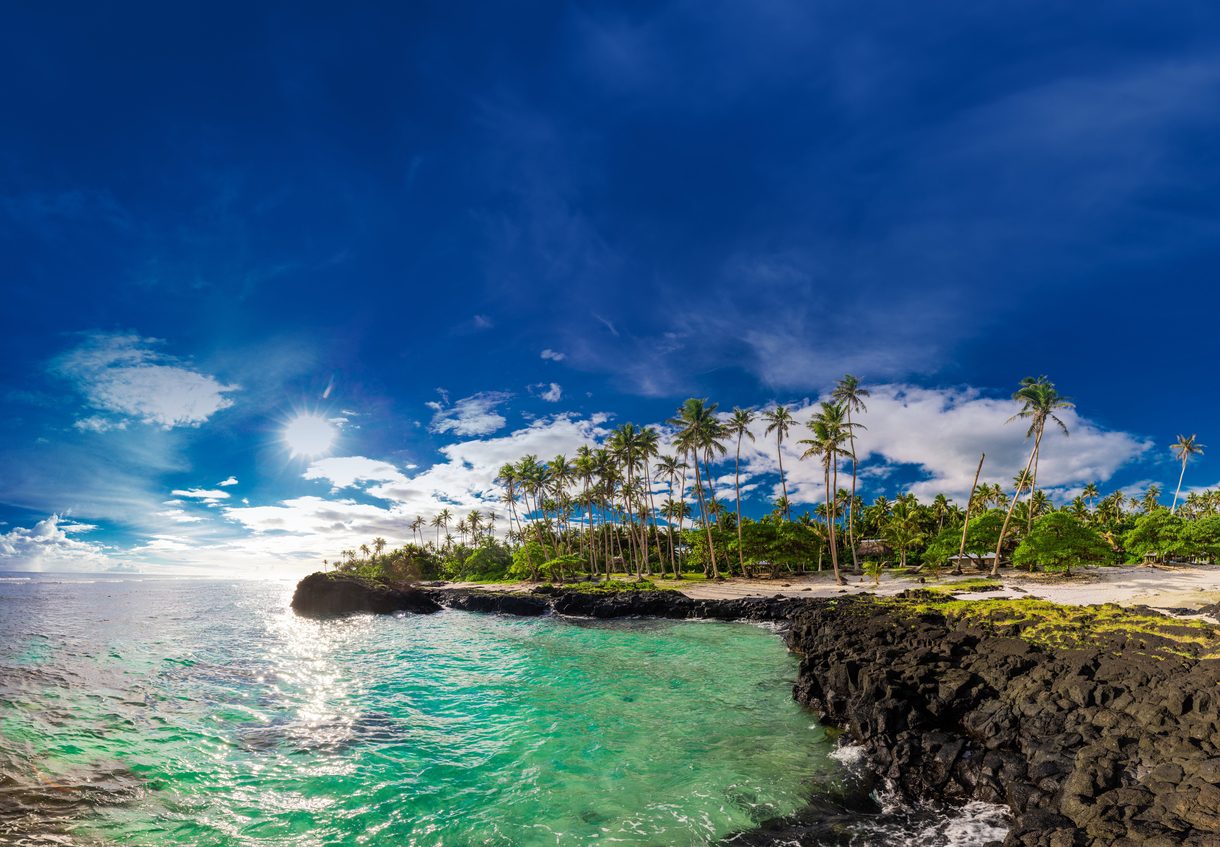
[995, 566]
[711, 547]
[830, 524]
[681, 515]
[1178, 490]
[851, 504]
[957, 567]
[779, 453]
[1033, 489]
[741, 556]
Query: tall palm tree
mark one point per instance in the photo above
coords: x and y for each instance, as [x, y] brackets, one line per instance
[669, 467]
[779, 420]
[1183, 449]
[585, 468]
[700, 432]
[378, 545]
[1040, 400]
[831, 438]
[650, 448]
[850, 395]
[739, 427]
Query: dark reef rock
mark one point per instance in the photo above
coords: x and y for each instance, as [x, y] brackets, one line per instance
[328, 595]
[1116, 742]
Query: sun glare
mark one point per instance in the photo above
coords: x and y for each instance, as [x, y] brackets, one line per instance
[309, 435]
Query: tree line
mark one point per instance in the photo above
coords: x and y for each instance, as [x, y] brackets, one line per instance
[624, 506]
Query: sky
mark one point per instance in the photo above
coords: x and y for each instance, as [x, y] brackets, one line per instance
[451, 234]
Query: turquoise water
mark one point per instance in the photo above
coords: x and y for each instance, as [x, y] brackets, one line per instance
[205, 713]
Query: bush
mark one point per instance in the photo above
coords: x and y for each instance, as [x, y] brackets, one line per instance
[1057, 540]
[1161, 533]
[527, 561]
[981, 538]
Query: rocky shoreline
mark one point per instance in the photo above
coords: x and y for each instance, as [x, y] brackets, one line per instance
[1110, 741]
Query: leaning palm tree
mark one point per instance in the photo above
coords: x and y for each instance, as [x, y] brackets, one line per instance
[739, 427]
[831, 437]
[1040, 400]
[849, 394]
[700, 433]
[779, 420]
[1183, 449]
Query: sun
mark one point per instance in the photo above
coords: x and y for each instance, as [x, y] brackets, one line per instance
[309, 435]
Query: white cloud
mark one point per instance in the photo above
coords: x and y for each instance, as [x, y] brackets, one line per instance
[179, 516]
[473, 415]
[939, 433]
[551, 392]
[97, 423]
[932, 435]
[204, 495]
[346, 471]
[553, 355]
[125, 379]
[232, 480]
[48, 546]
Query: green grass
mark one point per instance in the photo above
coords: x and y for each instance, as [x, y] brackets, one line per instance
[1054, 625]
[614, 586]
[962, 586]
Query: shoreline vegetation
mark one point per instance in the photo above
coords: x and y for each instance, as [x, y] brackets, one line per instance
[623, 510]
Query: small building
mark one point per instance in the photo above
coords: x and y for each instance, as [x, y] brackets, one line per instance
[872, 548]
[982, 562]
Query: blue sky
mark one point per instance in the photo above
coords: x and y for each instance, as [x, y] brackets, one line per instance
[461, 233]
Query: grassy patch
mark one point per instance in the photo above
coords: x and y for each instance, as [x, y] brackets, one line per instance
[1055, 625]
[614, 586]
[962, 586]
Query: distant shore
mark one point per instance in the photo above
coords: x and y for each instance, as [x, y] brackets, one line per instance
[1174, 587]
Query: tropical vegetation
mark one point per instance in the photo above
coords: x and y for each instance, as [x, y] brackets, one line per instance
[629, 509]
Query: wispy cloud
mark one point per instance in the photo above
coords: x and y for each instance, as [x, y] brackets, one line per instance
[203, 495]
[232, 480]
[126, 379]
[553, 355]
[473, 415]
[551, 392]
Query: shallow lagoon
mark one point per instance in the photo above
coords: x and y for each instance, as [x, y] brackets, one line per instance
[202, 712]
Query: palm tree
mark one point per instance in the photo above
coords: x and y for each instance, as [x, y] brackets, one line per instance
[1040, 400]
[739, 427]
[831, 436]
[1090, 493]
[669, 467]
[378, 545]
[364, 548]
[940, 510]
[779, 420]
[1183, 449]
[700, 432]
[850, 395]
[585, 468]
[1152, 498]
[417, 527]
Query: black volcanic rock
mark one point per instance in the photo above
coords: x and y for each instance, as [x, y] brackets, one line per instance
[329, 595]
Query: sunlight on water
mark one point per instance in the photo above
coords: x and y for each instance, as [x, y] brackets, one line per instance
[206, 714]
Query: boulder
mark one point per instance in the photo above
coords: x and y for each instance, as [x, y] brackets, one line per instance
[331, 595]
